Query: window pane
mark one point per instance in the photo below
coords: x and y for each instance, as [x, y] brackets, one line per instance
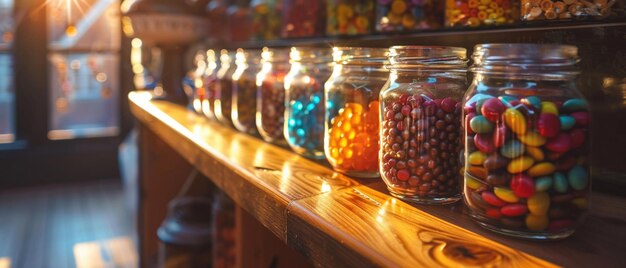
[84, 42]
[7, 99]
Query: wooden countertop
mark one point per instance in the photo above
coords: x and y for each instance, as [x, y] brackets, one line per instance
[337, 221]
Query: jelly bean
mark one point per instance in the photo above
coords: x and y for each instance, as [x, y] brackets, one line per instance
[560, 182]
[559, 144]
[484, 143]
[567, 122]
[578, 178]
[499, 135]
[541, 169]
[522, 186]
[560, 225]
[577, 136]
[532, 139]
[543, 183]
[548, 125]
[535, 153]
[472, 183]
[532, 100]
[480, 124]
[477, 158]
[581, 118]
[512, 149]
[493, 213]
[515, 120]
[536, 223]
[492, 199]
[520, 164]
[505, 194]
[513, 210]
[539, 203]
[580, 202]
[498, 179]
[495, 161]
[573, 105]
[492, 109]
[480, 101]
[549, 108]
[477, 172]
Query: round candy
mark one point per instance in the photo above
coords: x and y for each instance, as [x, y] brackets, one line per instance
[567, 122]
[477, 158]
[505, 194]
[484, 143]
[492, 199]
[560, 182]
[532, 139]
[535, 153]
[536, 223]
[543, 183]
[515, 120]
[522, 186]
[512, 149]
[492, 109]
[559, 144]
[549, 108]
[479, 124]
[548, 125]
[539, 204]
[578, 178]
[513, 210]
[520, 164]
[573, 105]
[495, 161]
[541, 169]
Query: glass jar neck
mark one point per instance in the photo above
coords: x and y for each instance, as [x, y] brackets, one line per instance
[311, 56]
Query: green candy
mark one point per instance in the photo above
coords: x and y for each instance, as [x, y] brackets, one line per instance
[534, 101]
[512, 149]
[480, 124]
[560, 182]
[543, 183]
[567, 122]
[573, 105]
[578, 178]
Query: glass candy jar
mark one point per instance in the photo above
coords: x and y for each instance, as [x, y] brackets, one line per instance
[420, 127]
[407, 15]
[222, 101]
[266, 18]
[244, 91]
[351, 140]
[304, 100]
[474, 13]
[210, 83]
[270, 84]
[526, 141]
[553, 10]
[349, 17]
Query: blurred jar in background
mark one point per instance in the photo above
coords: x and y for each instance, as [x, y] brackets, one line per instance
[303, 18]
[266, 19]
[244, 90]
[349, 17]
[405, 15]
[270, 82]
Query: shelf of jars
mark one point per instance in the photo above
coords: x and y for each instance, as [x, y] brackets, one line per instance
[338, 220]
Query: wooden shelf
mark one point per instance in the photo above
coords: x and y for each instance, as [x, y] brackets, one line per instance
[335, 220]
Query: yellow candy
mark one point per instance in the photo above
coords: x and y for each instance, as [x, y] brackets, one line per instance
[580, 202]
[536, 223]
[477, 158]
[520, 164]
[535, 152]
[515, 120]
[472, 183]
[541, 169]
[532, 139]
[549, 108]
[539, 203]
[505, 194]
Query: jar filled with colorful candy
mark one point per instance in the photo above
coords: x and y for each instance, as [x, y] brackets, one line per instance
[349, 17]
[474, 13]
[244, 90]
[553, 10]
[303, 18]
[351, 140]
[420, 123]
[304, 89]
[210, 82]
[408, 15]
[526, 141]
[266, 19]
[223, 91]
[270, 82]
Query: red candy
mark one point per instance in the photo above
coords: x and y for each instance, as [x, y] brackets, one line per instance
[582, 118]
[492, 109]
[403, 175]
[499, 136]
[523, 186]
[492, 199]
[559, 144]
[578, 137]
[448, 104]
[484, 143]
[514, 210]
[548, 125]
[493, 213]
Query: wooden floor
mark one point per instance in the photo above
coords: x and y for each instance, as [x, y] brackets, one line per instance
[78, 225]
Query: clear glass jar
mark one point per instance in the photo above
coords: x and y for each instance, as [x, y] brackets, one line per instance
[193, 84]
[223, 97]
[266, 18]
[303, 18]
[351, 140]
[304, 100]
[244, 90]
[474, 13]
[349, 17]
[270, 82]
[536, 10]
[526, 141]
[210, 83]
[405, 15]
[420, 123]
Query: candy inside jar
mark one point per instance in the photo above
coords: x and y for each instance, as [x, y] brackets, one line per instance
[474, 13]
[526, 141]
[244, 91]
[420, 123]
[407, 15]
[210, 83]
[222, 101]
[270, 84]
[348, 17]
